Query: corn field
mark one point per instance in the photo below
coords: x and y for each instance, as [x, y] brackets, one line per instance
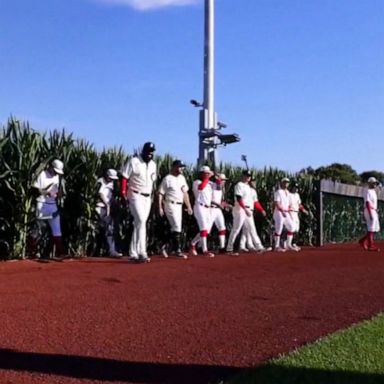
[26, 152]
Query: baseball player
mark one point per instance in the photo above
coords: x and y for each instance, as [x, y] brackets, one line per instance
[202, 190]
[282, 216]
[103, 208]
[296, 206]
[138, 177]
[242, 209]
[48, 185]
[173, 192]
[371, 216]
[217, 206]
[249, 239]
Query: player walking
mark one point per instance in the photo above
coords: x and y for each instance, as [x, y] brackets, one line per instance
[217, 217]
[296, 206]
[243, 208]
[250, 240]
[103, 208]
[139, 175]
[371, 216]
[282, 216]
[48, 184]
[173, 192]
[202, 190]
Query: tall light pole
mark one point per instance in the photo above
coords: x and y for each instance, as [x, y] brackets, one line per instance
[208, 112]
[209, 136]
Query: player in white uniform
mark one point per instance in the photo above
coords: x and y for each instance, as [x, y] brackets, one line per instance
[173, 192]
[371, 216]
[202, 190]
[242, 209]
[139, 175]
[48, 185]
[105, 187]
[217, 217]
[296, 206]
[250, 240]
[282, 216]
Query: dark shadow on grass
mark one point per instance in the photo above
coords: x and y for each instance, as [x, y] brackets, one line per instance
[277, 374]
[93, 368]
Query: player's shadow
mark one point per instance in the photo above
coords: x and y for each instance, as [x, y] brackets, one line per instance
[94, 368]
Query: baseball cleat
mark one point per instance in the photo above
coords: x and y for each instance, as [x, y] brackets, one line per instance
[245, 250]
[374, 249]
[293, 248]
[164, 251]
[115, 254]
[208, 254]
[363, 243]
[279, 249]
[192, 250]
[232, 253]
[182, 255]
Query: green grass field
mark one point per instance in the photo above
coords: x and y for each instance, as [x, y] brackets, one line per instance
[351, 356]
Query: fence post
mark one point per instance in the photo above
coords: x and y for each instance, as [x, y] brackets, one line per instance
[319, 214]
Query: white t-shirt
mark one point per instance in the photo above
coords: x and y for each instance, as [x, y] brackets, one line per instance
[140, 174]
[244, 190]
[49, 183]
[282, 196]
[202, 197]
[370, 195]
[105, 189]
[173, 188]
[295, 201]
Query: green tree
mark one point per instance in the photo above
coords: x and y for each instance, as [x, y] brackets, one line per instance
[342, 173]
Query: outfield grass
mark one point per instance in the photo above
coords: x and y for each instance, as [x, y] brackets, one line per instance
[351, 356]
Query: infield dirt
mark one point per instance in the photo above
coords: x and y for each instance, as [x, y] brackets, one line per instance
[177, 321]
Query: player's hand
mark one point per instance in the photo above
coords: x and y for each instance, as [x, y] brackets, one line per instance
[248, 212]
[52, 194]
[161, 211]
[284, 214]
[190, 211]
[264, 213]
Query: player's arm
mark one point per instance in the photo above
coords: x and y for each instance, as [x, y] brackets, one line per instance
[187, 202]
[280, 208]
[369, 208]
[259, 207]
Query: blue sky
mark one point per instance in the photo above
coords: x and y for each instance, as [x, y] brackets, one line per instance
[301, 81]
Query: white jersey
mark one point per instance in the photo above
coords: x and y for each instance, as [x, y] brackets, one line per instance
[281, 196]
[173, 188]
[217, 194]
[244, 190]
[140, 174]
[203, 197]
[49, 183]
[370, 196]
[295, 202]
[105, 189]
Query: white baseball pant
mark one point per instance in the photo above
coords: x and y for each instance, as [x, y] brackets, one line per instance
[140, 206]
[373, 225]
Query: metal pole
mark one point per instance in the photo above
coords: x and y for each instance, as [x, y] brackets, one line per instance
[207, 118]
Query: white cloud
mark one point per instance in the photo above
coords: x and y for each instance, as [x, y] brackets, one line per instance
[145, 5]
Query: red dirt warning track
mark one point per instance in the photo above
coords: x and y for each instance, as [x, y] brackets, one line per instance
[176, 321]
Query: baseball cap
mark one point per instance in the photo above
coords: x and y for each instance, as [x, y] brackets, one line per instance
[205, 169]
[178, 164]
[58, 166]
[112, 174]
[223, 177]
[149, 147]
[247, 173]
[285, 179]
[372, 180]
